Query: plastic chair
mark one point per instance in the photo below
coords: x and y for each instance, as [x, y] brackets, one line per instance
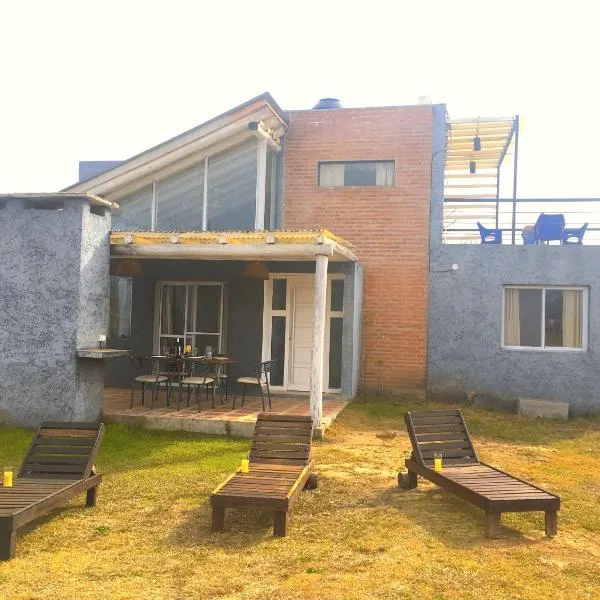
[528, 235]
[549, 228]
[574, 236]
[489, 236]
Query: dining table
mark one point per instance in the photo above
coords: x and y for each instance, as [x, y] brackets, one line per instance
[218, 362]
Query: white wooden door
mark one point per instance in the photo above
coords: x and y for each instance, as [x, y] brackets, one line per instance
[300, 344]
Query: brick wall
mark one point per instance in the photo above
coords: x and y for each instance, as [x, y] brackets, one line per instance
[389, 227]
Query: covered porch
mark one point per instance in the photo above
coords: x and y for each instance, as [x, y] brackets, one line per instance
[292, 297]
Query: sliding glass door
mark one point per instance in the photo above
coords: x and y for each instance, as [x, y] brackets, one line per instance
[193, 312]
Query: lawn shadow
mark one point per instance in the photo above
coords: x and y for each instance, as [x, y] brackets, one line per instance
[243, 529]
[455, 523]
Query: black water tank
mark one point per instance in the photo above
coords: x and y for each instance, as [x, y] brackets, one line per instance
[327, 103]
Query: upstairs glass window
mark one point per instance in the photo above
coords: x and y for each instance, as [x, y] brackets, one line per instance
[217, 194]
[179, 200]
[134, 212]
[232, 189]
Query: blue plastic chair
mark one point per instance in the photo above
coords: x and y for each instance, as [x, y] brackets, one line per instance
[528, 237]
[574, 236]
[549, 228]
[489, 236]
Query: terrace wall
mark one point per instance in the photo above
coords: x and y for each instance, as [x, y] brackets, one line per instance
[465, 356]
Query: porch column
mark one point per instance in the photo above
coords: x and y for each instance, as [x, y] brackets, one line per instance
[316, 366]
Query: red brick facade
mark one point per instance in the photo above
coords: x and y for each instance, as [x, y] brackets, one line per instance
[389, 227]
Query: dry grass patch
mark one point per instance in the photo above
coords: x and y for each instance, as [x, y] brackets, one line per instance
[358, 536]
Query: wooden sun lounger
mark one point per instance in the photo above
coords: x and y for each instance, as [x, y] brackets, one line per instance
[280, 468]
[59, 465]
[462, 474]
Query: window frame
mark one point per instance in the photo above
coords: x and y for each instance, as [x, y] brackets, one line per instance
[154, 181]
[543, 348]
[353, 162]
[158, 335]
[129, 316]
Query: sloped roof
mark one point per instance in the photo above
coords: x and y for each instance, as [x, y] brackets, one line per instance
[262, 107]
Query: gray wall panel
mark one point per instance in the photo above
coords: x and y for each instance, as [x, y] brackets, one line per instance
[465, 316]
[53, 300]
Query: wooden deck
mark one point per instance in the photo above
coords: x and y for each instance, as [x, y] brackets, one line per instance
[223, 420]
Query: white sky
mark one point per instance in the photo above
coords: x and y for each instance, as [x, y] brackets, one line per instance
[106, 80]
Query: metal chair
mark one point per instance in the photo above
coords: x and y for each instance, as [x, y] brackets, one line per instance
[200, 377]
[154, 378]
[221, 376]
[489, 236]
[574, 236]
[261, 379]
[549, 228]
[173, 367]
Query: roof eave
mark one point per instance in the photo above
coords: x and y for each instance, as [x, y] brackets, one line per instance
[107, 181]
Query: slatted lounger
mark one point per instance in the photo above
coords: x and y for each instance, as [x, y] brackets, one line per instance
[280, 467]
[493, 490]
[59, 465]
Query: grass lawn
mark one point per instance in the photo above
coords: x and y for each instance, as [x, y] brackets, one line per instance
[357, 537]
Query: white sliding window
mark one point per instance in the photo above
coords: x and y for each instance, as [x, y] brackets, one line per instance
[545, 317]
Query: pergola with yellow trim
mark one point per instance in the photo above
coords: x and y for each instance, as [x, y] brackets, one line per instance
[320, 246]
[231, 245]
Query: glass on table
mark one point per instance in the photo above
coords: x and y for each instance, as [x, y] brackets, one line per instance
[8, 476]
[208, 352]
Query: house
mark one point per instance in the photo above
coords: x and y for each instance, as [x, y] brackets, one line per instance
[330, 203]
[338, 241]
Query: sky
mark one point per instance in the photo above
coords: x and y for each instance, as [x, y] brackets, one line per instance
[106, 80]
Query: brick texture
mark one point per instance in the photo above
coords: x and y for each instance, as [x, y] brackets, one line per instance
[389, 227]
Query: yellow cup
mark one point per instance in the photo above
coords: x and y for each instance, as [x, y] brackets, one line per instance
[7, 479]
[437, 462]
[245, 468]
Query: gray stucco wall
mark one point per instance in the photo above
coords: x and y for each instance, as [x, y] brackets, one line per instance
[438, 159]
[244, 313]
[54, 276]
[465, 316]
